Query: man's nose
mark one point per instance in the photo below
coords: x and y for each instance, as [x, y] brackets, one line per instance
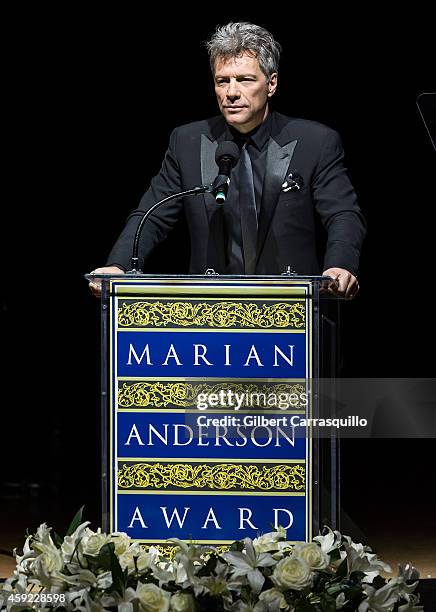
[233, 92]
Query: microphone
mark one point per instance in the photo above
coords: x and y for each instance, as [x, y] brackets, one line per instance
[226, 157]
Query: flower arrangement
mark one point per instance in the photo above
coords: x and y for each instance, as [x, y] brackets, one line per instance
[93, 571]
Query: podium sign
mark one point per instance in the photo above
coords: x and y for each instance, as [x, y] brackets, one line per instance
[208, 379]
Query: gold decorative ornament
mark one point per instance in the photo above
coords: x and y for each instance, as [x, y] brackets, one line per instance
[165, 551]
[213, 477]
[184, 395]
[280, 315]
[170, 551]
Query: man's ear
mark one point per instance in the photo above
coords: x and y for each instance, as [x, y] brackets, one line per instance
[272, 84]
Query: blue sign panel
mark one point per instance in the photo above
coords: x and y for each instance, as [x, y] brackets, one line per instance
[200, 517]
[214, 434]
[206, 376]
[157, 354]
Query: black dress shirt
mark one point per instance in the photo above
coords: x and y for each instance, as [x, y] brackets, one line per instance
[257, 146]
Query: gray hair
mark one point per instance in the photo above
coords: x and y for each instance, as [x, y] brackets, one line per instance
[233, 39]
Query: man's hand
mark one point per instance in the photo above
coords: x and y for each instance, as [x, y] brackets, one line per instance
[346, 284]
[95, 285]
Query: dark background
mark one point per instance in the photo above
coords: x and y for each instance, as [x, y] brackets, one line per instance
[91, 101]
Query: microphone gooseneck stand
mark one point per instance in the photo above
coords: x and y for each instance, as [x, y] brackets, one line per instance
[226, 157]
[195, 191]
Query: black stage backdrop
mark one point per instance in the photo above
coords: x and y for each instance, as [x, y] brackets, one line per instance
[92, 99]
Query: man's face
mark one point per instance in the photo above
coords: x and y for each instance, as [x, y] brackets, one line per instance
[242, 91]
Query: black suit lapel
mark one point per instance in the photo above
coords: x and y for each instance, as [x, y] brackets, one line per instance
[209, 144]
[278, 159]
[209, 170]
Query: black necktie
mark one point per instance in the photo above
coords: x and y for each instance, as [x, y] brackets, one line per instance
[247, 205]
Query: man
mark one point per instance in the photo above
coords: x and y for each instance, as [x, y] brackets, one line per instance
[289, 169]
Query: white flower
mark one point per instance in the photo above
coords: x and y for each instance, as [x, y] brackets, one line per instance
[26, 559]
[182, 602]
[49, 559]
[86, 578]
[122, 603]
[403, 589]
[241, 606]
[274, 600]
[340, 601]
[246, 563]
[410, 605]
[174, 571]
[329, 542]
[147, 559]
[92, 543]
[235, 585]
[135, 552]
[191, 551]
[269, 541]
[361, 561]
[215, 585]
[121, 541]
[68, 549]
[378, 601]
[127, 560]
[292, 573]
[72, 544]
[43, 534]
[361, 548]
[152, 599]
[104, 580]
[284, 549]
[79, 600]
[314, 556]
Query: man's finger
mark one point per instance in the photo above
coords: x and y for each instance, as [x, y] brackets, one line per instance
[352, 289]
[95, 288]
[343, 283]
[343, 280]
[332, 285]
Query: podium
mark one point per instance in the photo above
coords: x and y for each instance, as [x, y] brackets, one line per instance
[207, 390]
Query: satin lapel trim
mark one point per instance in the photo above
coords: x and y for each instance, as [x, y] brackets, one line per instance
[209, 169]
[277, 162]
[214, 214]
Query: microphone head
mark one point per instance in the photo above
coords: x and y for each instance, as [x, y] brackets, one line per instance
[229, 149]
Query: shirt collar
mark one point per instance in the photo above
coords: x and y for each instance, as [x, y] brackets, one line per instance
[259, 136]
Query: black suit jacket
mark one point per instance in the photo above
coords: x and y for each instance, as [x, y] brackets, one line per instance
[286, 235]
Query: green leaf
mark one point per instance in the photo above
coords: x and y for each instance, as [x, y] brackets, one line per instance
[354, 594]
[320, 580]
[57, 539]
[118, 576]
[328, 603]
[210, 566]
[302, 605]
[342, 570]
[105, 556]
[334, 589]
[357, 577]
[378, 582]
[237, 547]
[77, 520]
